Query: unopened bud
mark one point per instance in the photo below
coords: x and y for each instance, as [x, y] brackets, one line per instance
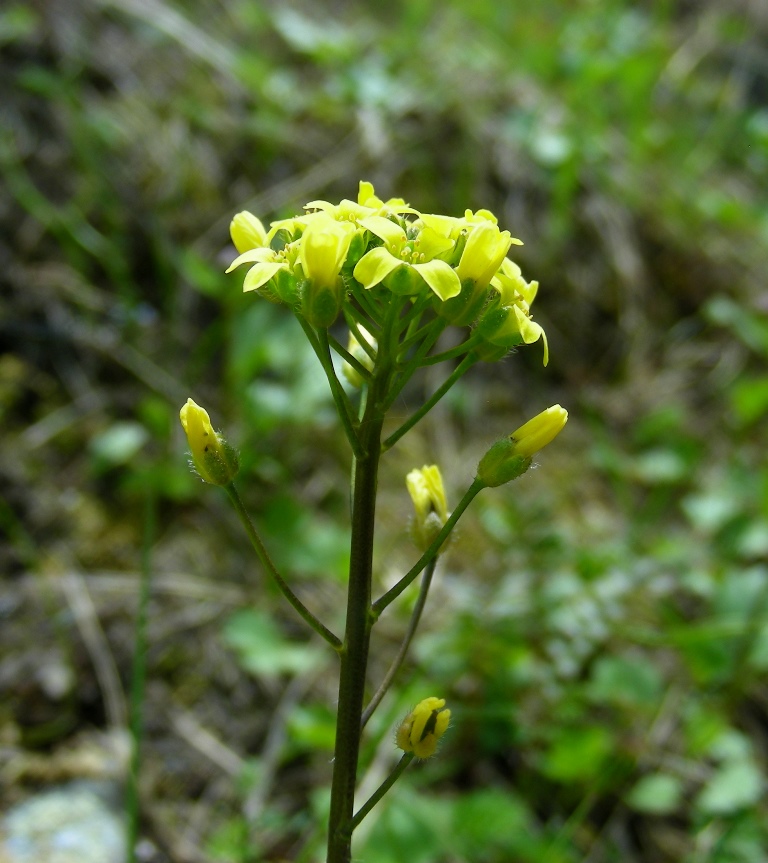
[212, 457]
[421, 729]
[511, 457]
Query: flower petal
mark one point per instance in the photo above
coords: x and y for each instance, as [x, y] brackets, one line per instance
[384, 229]
[375, 266]
[261, 274]
[251, 257]
[441, 277]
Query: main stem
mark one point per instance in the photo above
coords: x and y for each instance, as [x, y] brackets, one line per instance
[354, 650]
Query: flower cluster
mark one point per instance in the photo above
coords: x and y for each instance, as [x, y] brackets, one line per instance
[337, 253]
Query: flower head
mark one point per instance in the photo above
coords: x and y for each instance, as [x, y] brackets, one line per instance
[414, 254]
[212, 457]
[425, 487]
[421, 729]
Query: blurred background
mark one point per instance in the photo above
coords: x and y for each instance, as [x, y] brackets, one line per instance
[600, 628]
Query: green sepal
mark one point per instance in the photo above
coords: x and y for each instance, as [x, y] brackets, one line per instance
[464, 308]
[320, 306]
[220, 463]
[501, 464]
[404, 281]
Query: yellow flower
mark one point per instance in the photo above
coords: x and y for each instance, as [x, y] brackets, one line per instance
[421, 729]
[426, 489]
[483, 254]
[247, 232]
[323, 249]
[368, 204]
[417, 255]
[213, 458]
[511, 456]
[267, 264]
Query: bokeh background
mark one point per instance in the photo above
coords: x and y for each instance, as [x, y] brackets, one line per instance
[600, 628]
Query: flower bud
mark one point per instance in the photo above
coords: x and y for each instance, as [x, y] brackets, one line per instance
[323, 251]
[423, 727]
[511, 457]
[247, 232]
[425, 487]
[212, 457]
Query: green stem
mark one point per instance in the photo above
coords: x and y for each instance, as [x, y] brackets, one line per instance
[403, 651]
[261, 551]
[464, 348]
[354, 652]
[383, 601]
[460, 370]
[364, 373]
[383, 788]
[319, 342]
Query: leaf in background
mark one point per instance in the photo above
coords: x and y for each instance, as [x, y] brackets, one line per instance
[736, 785]
[656, 794]
[262, 649]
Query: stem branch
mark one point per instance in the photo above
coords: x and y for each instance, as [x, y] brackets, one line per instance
[266, 560]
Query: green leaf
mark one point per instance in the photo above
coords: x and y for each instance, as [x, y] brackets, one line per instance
[736, 785]
[630, 682]
[262, 649]
[578, 754]
[656, 794]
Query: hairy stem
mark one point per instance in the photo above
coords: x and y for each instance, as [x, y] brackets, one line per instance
[354, 651]
[383, 788]
[383, 601]
[266, 560]
[460, 369]
[403, 651]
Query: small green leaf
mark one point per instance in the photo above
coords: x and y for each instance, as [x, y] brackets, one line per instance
[736, 785]
[656, 794]
[262, 649]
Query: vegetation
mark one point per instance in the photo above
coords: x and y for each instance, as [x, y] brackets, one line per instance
[600, 633]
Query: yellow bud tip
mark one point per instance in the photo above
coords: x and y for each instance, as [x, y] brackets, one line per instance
[427, 492]
[423, 727]
[212, 457]
[539, 431]
[197, 426]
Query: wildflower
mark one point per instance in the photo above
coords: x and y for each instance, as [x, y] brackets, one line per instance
[415, 257]
[212, 457]
[267, 264]
[511, 457]
[368, 204]
[483, 254]
[421, 729]
[425, 487]
[322, 252]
